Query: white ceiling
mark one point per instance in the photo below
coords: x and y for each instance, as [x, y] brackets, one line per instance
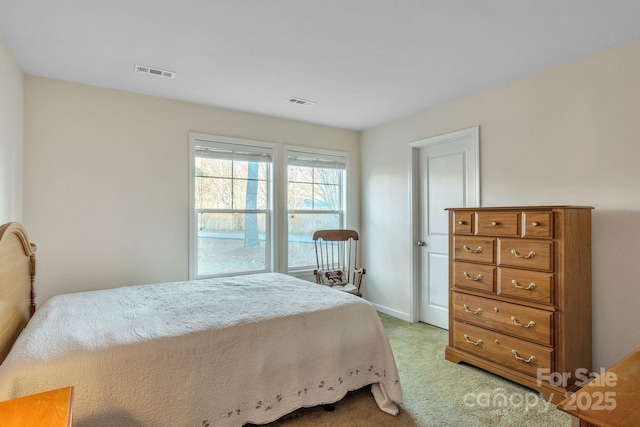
[365, 62]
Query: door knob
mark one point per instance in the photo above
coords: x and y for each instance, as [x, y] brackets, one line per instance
[422, 243]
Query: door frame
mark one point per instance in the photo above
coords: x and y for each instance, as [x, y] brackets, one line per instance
[414, 199]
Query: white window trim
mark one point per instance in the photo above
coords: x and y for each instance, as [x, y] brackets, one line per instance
[196, 139]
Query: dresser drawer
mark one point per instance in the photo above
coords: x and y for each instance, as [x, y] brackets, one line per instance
[477, 249]
[519, 321]
[463, 222]
[506, 351]
[538, 224]
[526, 253]
[478, 277]
[498, 223]
[534, 286]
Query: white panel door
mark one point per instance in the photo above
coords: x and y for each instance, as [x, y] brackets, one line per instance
[447, 171]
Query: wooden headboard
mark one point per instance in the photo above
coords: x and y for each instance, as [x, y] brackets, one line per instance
[17, 289]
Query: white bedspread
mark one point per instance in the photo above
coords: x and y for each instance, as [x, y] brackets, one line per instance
[219, 352]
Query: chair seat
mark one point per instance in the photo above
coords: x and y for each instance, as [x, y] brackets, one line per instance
[349, 288]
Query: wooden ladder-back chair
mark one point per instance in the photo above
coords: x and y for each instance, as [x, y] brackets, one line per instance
[336, 257]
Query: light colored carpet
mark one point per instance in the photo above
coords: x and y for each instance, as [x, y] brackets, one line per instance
[436, 392]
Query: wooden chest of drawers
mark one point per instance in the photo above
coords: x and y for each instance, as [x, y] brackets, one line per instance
[520, 294]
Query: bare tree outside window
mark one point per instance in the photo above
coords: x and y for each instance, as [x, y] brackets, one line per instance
[251, 237]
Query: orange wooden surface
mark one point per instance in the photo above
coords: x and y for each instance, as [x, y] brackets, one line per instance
[611, 399]
[51, 409]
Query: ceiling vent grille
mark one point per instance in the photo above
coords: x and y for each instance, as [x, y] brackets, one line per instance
[155, 71]
[300, 101]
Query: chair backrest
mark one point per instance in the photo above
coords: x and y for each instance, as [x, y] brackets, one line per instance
[337, 249]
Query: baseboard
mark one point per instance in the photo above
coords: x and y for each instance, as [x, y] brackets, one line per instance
[391, 312]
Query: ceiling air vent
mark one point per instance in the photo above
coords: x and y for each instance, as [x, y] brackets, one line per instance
[300, 101]
[155, 71]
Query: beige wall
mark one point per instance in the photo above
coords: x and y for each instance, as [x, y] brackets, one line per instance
[106, 180]
[569, 135]
[105, 192]
[11, 137]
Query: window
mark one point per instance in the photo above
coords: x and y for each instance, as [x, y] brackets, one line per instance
[315, 200]
[231, 200]
[240, 193]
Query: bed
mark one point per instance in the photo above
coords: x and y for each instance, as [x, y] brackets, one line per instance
[215, 352]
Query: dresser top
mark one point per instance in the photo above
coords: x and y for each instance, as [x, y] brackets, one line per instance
[520, 208]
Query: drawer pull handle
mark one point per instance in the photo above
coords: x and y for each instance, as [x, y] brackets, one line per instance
[526, 288]
[461, 222]
[466, 338]
[494, 223]
[466, 308]
[529, 360]
[528, 325]
[472, 251]
[518, 255]
[475, 279]
[534, 224]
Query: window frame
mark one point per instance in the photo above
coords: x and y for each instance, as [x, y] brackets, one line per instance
[218, 141]
[278, 241]
[342, 157]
